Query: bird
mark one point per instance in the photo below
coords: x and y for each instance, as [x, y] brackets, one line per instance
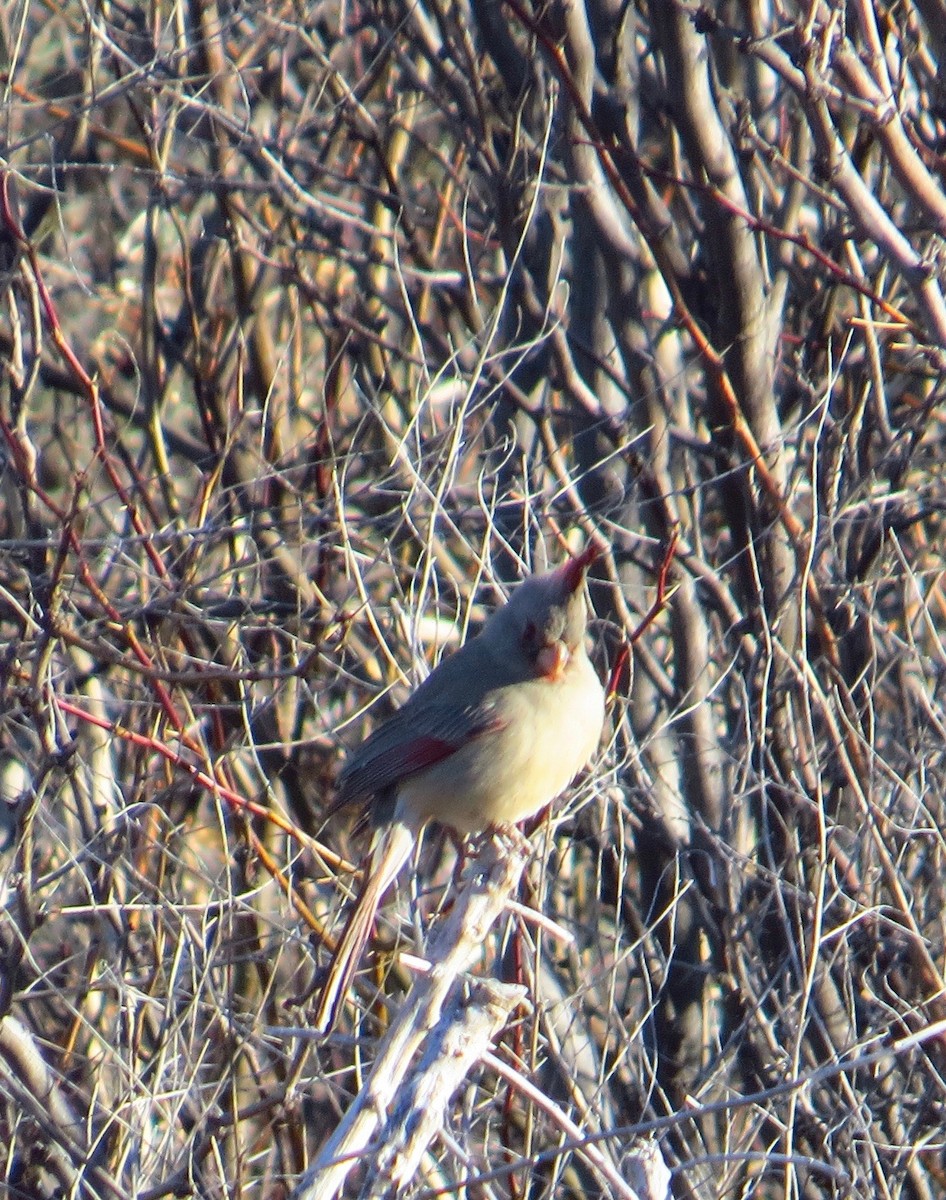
[495, 733]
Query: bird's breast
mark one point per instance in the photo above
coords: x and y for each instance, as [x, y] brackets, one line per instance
[547, 731]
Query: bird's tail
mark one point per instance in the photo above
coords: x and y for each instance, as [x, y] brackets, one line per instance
[390, 852]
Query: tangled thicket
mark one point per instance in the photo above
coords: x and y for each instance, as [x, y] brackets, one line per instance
[322, 323]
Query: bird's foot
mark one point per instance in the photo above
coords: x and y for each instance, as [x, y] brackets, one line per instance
[512, 837]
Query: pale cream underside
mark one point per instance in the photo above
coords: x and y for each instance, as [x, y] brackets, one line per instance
[552, 730]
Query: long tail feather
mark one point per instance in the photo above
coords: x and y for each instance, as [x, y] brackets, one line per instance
[390, 853]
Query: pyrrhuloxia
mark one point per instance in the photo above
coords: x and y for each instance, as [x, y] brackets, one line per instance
[492, 735]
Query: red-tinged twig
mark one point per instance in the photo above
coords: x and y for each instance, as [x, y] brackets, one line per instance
[616, 676]
[86, 383]
[663, 575]
[90, 388]
[202, 777]
[660, 600]
[71, 539]
[230, 797]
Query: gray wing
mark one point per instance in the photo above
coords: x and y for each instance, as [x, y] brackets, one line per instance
[417, 736]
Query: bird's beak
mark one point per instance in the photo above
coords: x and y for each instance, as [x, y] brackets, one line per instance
[552, 660]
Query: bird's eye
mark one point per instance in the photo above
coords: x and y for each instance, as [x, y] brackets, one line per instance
[530, 635]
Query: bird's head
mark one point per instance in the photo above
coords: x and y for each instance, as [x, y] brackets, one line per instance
[543, 623]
